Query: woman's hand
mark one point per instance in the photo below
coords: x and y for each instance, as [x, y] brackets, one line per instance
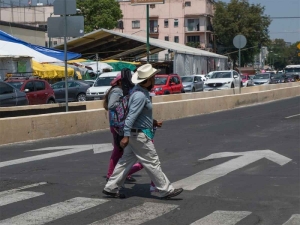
[157, 123]
[124, 142]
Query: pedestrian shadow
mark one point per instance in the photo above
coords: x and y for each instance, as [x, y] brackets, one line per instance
[143, 191]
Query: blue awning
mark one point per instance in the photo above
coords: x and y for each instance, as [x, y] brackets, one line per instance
[54, 53]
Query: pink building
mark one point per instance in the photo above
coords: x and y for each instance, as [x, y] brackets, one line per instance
[186, 22]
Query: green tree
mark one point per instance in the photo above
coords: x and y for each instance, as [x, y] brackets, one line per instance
[281, 55]
[240, 17]
[99, 14]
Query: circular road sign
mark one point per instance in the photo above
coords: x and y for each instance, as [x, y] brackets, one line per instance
[239, 41]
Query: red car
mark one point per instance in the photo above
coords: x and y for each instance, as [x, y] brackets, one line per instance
[167, 84]
[38, 91]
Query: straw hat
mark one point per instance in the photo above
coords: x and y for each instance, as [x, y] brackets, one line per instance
[143, 72]
[114, 82]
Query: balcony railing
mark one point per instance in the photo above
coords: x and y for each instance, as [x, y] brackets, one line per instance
[197, 28]
[154, 29]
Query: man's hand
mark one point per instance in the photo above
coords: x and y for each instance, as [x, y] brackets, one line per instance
[157, 123]
[124, 142]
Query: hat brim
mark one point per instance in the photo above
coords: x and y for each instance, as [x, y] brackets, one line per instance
[136, 80]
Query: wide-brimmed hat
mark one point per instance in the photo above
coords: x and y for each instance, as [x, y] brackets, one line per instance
[114, 82]
[144, 72]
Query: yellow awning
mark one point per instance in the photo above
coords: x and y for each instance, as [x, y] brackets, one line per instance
[77, 60]
[49, 71]
[114, 61]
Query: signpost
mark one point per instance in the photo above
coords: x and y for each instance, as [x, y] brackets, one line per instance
[239, 41]
[72, 26]
[147, 3]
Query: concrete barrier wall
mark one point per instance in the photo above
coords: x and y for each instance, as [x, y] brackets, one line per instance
[54, 125]
[163, 98]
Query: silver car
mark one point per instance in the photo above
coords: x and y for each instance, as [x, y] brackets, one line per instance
[192, 83]
[262, 78]
[11, 96]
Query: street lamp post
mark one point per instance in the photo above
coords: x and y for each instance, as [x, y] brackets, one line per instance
[48, 35]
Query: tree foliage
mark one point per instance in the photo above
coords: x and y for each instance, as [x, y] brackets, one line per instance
[281, 55]
[240, 17]
[99, 14]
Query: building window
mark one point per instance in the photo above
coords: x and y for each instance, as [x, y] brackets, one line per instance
[135, 24]
[166, 23]
[167, 57]
[176, 39]
[175, 22]
[193, 39]
[55, 42]
[153, 57]
[187, 4]
[166, 38]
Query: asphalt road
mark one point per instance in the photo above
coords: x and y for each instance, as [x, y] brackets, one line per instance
[256, 182]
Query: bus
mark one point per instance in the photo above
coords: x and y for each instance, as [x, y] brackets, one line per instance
[292, 71]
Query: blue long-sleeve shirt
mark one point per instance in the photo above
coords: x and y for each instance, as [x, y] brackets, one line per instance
[140, 111]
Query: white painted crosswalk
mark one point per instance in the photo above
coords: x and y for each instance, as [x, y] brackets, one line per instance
[14, 195]
[138, 215]
[222, 218]
[132, 215]
[53, 212]
[18, 196]
[294, 220]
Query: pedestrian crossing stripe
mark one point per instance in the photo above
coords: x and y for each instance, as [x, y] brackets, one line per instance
[14, 195]
[53, 212]
[18, 196]
[133, 216]
[138, 215]
[222, 218]
[295, 219]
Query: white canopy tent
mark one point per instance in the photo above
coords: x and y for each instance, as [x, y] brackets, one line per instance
[12, 49]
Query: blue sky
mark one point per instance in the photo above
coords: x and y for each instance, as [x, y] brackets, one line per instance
[287, 29]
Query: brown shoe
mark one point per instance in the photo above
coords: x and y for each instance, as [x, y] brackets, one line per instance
[174, 193]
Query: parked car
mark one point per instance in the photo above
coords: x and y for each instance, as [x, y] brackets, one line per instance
[90, 82]
[38, 91]
[278, 78]
[246, 80]
[100, 86]
[207, 76]
[11, 96]
[262, 78]
[291, 78]
[76, 90]
[203, 76]
[167, 84]
[221, 80]
[192, 83]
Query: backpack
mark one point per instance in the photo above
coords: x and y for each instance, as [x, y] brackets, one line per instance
[121, 111]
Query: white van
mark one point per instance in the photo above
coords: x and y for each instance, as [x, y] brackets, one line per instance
[101, 86]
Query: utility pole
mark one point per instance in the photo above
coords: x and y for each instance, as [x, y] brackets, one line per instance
[147, 21]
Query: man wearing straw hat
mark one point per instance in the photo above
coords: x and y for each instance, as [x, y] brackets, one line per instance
[137, 144]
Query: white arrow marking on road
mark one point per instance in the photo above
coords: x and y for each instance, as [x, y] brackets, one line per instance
[244, 159]
[98, 148]
[294, 220]
[222, 218]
